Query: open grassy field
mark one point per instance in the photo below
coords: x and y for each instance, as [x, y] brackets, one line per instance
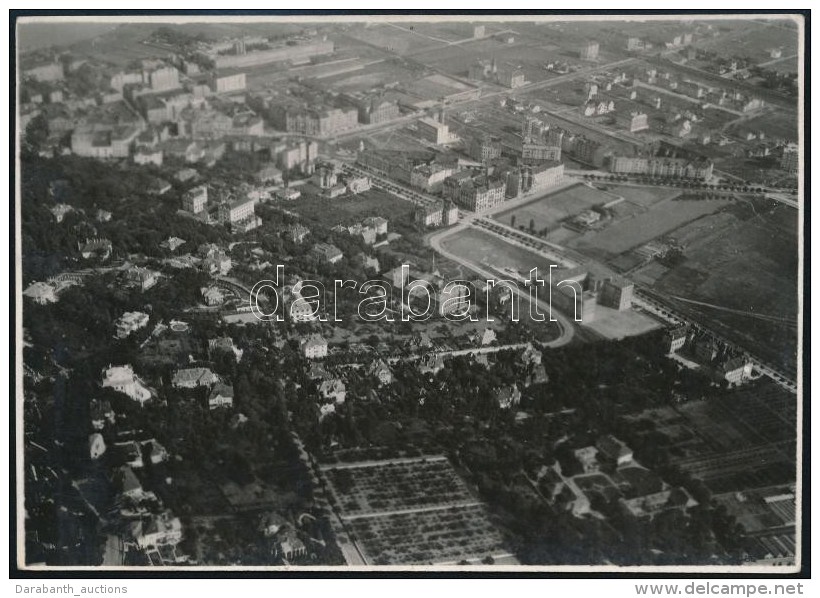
[365, 75]
[643, 196]
[120, 46]
[396, 39]
[753, 39]
[789, 65]
[642, 228]
[746, 264]
[776, 124]
[445, 31]
[551, 209]
[530, 55]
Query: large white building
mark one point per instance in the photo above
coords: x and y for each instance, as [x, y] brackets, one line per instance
[237, 211]
[227, 83]
[130, 322]
[122, 379]
[434, 131]
[547, 174]
[791, 159]
[41, 292]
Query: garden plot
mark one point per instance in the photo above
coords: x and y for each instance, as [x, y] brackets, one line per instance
[413, 512]
[396, 486]
[441, 536]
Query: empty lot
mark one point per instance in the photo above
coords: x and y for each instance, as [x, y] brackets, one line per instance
[551, 209]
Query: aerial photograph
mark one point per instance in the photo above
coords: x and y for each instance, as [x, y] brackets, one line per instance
[461, 292]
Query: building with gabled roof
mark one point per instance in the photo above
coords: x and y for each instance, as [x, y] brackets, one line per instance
[327, 252]
[194, 377]
[129, 322]
[221, 395]
[651, 505]
[508, 396]
[314, 347]
[127, 482]
[122, 379]
[613, 451]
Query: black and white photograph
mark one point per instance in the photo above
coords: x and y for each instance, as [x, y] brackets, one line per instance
[409, 292]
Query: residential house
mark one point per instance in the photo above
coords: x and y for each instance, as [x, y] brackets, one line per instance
[122, 379]
[508, 396]
[649, 506]
[223, 344]
[194, 377]
[377, 223]
[129, 453]
[142, 278]
[483, 338]
[214, 260]
[735, 370]
[270, 523]
[314, 347]
[157, 530]
[96, 446]
[60, 211]
[431, 363]
[358, 184]
[157, 453]
[288, 545]
[613, 452]
[675, 338]
[380, 370]
[130, 322]
[172, 243]
[41, 292]
[213, 296]
[97, 248]
[334, 390]
[127, 483]
[327, 253]
[298, 232]
[101, 414]
[221, 395]
[587, 458]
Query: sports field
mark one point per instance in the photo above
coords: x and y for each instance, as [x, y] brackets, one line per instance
[484, 249]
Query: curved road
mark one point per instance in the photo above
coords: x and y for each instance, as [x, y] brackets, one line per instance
[565, 325]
